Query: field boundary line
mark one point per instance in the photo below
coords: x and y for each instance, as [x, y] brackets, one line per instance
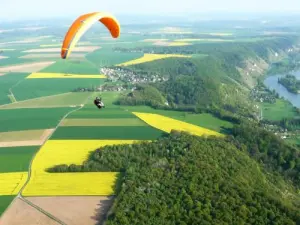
[42, 210]
[19, 195]
[48, 96]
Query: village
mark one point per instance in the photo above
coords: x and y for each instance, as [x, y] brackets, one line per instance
[120, 79]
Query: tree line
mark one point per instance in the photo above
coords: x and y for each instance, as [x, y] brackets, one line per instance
[185, 179]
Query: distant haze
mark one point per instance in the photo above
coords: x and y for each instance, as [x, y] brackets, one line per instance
[35, 9]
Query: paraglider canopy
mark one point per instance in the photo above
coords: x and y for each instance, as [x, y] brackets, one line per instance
[82, 24]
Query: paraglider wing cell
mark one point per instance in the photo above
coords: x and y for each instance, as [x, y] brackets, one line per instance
[82, 24]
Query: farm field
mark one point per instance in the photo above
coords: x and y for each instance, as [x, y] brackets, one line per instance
[16, 159]
[56, 152]
[5, 200]
[34, 88]
[26, 67]
[6, 82]
[24, 138]
[22, 213]
[71, 184]
[49, 56]
[76, 210]
[281, 109]
[151, 57]
[107, 57]
[63, 76]
[106, 133]
[205, 120]
[57, 50]
[23, 135]
[12, 182]
[101, 122]
[70, 99]
[23, 119]
[75, 66]
[167, 124]
[204, 40]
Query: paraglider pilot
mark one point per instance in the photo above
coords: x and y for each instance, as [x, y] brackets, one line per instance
[98, 102]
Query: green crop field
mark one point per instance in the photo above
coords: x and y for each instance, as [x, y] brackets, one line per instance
[102, 122]
[80, 66]
[106, 113]
[6, 82]
[33, 88]
[122, 133]
[204, 120]
[16, 159]
[281, 109]
[62, 100]
[5, 201]
[107, 57]
[90, 111]
[23, 119]
[13, 61]
[12, 55]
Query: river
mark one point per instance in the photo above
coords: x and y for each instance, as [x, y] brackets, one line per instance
[272, 83]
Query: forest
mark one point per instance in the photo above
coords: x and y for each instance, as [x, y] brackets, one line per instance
[184, 179]
[291, 83]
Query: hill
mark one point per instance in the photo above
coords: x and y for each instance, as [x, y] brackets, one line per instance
[184, 179]
[215, 79]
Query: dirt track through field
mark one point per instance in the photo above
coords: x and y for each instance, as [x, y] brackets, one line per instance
[21, 213]
[26, 67]
[75, 210]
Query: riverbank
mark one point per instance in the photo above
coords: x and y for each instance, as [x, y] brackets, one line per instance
[272, 83]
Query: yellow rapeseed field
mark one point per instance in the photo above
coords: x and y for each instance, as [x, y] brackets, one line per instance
[63, 75]
[203, 40]
[11, 183]
[64, 184]
[56, 152]
[151, 57]
[154, 40]
[179, 43]
[167, 124]
[221, 34]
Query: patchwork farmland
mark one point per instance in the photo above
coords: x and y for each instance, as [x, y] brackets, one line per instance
[44, 124]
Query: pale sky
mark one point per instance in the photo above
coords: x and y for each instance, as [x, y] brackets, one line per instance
[64, 8]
